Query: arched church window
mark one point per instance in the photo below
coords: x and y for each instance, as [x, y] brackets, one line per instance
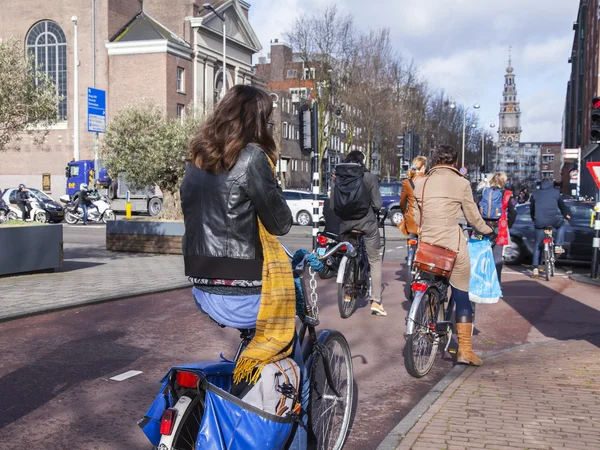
[47, 44]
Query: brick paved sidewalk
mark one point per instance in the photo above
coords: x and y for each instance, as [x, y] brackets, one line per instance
[90, 274]
[545, 396]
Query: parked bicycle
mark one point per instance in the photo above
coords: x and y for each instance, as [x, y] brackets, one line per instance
[354, 273]
[328, 362]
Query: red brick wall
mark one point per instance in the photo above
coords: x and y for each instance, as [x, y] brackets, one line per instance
[149, 80]
[173, 97]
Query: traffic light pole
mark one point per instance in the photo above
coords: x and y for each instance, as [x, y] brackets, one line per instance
[316, 182]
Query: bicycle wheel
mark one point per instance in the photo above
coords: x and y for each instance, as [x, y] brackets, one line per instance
[187, 433]
[422, 344]
[548, 259]
[328, 414]
[348, 290]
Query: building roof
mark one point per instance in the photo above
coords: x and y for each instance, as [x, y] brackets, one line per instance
[145, 28]
[215, 3]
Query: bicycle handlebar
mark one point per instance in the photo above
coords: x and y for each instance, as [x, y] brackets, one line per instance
[349, 248]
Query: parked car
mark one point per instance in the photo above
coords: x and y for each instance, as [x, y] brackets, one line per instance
[3, 209]
[578, 237]
[390, 194]
[300, 203]
[54, 211]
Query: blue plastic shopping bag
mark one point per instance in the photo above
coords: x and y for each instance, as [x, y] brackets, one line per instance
[228, 423]
[484, 286]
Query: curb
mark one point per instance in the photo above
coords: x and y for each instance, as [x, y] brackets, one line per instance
[585, 279]
[103, 299]
[395, 437]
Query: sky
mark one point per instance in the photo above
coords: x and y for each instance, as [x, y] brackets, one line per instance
[462, 47]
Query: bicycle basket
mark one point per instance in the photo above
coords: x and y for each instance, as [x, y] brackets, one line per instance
[229, 423]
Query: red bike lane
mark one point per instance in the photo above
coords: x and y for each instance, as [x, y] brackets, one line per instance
[55, 370]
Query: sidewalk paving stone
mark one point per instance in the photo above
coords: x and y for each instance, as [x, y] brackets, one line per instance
[90, 274]
[544, 396]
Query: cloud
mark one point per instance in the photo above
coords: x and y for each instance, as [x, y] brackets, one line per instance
[462, 46]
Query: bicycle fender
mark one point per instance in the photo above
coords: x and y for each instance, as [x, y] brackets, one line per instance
[410, 323]
[307, 348]
[342, 270]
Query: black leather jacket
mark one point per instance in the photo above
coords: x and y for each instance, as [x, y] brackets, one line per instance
[220, 212]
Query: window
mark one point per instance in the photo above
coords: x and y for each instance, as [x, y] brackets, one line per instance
[291, 195]
[548, 174]
[180, 110]
[285, 130]
[181, 80]
[313, 74]
[74, 171]
[294, 108]
[292, 73]
[548, 158]
[47, 44]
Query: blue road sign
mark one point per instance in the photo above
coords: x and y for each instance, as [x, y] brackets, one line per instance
[96, 107]
[463, 171]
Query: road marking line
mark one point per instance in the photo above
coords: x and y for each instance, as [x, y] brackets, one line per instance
[400, 247]
[126, 375]
[390, 250]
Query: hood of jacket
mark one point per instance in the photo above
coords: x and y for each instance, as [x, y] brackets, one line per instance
[547, 184]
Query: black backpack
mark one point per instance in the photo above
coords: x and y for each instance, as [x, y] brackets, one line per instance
[351, 197]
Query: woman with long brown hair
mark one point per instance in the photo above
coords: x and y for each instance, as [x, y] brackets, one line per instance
[408, 226]
[233, 208]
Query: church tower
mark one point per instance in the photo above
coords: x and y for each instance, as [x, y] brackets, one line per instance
[509, 129]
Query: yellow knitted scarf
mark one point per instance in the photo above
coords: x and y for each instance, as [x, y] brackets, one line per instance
[276, 319]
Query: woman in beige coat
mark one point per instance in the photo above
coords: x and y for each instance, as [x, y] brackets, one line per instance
[447, 198]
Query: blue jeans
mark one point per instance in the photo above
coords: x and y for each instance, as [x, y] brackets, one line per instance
[559, 240]
[84, 208]
[462, 302]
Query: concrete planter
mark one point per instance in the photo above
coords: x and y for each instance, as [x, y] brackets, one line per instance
[30, 248]
[144, 237]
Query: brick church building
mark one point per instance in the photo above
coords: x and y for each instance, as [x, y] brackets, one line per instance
[166, 51]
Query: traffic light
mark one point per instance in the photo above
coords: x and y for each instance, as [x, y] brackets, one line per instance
[408, 145]
[305, 126]
[595, 120]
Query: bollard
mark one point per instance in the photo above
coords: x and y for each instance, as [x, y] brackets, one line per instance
[128, 210]
[596, 242]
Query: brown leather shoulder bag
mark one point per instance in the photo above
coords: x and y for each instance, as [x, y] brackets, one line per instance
[434, 258]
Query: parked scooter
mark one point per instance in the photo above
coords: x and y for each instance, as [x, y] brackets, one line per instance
[3, 211]
[99, 211]
[36, 214]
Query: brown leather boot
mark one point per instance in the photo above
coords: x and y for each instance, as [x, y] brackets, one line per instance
[465, 350]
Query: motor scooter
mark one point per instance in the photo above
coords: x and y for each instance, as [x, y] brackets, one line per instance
[36, 213]
[98, 211]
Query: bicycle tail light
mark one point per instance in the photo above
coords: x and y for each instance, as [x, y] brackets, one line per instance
[322, 240]
[343, 248]
[412, 242]
[419, 287]
[187, 380]
[547, 240]
[167, 421]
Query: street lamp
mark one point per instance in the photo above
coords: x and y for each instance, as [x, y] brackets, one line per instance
[210, 7]
[75, 90]
[453, 106]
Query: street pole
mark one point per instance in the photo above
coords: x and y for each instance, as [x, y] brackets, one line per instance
[316, 185]
[96, 168]
[75, 91]
[464, 132]
[596, 241]
[482, 154]
[224, 56]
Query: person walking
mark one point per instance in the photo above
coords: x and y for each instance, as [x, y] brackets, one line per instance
[23, 202]
[500, 217]
[443, 197]
[408, 226]
[233, 209]
[547, 209]
[368, 224]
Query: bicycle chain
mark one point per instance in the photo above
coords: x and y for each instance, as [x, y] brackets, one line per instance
[314, 298]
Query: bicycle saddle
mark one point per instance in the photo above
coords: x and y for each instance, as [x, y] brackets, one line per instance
[357, 232]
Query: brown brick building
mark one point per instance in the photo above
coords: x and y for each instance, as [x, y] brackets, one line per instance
[551, 161]
[170, 52]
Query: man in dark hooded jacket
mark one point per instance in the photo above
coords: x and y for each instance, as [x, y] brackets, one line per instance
[548, 210]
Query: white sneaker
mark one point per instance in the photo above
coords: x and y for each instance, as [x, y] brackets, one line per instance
[377, 309]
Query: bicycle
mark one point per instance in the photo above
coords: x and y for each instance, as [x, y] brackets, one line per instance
[354, 274]
[412, 244]
[429, 321]
[328, 363]
[549, 257]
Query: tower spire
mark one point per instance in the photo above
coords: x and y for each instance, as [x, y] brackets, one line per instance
[510, 56]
